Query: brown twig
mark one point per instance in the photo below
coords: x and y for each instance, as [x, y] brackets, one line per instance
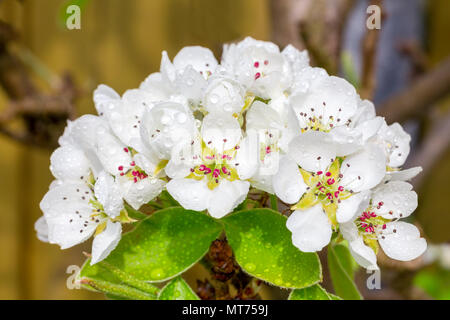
[369, 53]
[416, 100]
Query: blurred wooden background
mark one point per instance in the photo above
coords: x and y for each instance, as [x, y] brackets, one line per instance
[119, 44]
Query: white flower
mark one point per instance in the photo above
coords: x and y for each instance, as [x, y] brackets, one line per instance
[337, 185]
[395, 142]
[331, 105]
[74, 211]
[188, 73]
[259, 66]
[376, 221]
[209, 176]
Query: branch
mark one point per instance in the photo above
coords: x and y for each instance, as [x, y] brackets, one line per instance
[414, 101]
[433, 148]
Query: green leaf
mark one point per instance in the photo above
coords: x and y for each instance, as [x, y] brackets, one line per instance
[342, 272]
[117, 290]
[177, 289]
[135, 214]
[263, 248]
[160, 247]
[315, 292]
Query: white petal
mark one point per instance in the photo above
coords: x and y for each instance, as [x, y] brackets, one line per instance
[348, 140]
[227, 196]
[141, 192]
[103, 97]
[263, 182]
[190, 193]
[166, 125]
[313, 150]
[397, 143]
[363, 254]
[351, 206]
[311, 229]
[332, 101]
[199, 58]
[364, 169]
[402, 241]
[404, 175]
[41, 228]
[69, 163]
[223, 95]
[288, 183]
[109, 194]
[246, 160]
[155, 85]
[191, 84]
[106, 241]
[67, 212]
[397, 198]
[221, 131]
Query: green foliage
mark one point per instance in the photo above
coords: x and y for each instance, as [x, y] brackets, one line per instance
[263, 248]
[341, 266]
[315, 292]
[177, 289]
[161, 247]
[435, 281]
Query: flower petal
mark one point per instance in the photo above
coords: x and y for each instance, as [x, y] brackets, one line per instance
[41, 228]
[69, 163]
[141, 192]
[221, 132]
[199, 58]
[363, 254]
[348, 208]
[109, 194]
[365, 169]
[404, 175]
[313, 150]
[402, 241]
[288, 183]
[311, 229]
[227, 196]
[190, 193]
[106, 241]
[396, 198]
[67, 212]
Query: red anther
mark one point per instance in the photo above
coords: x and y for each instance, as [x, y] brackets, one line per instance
[120, 168]
[372, 214]
[225, 170]
[380, 203]
[122, 174]
[207, 170]
[256, 64]
[341, 188]
[135, 173]
[268, 150]
[336, 194]
[384, 226]
[266, 62]
[257, 76]
[328, 174]
[319, 173]
[330, 181]
[216, 173]
[135, 180]
[125, 149]
[202, 167]
[133, 163]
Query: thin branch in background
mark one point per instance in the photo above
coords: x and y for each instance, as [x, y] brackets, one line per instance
[423, 93]
[369, 52]
[432, 149]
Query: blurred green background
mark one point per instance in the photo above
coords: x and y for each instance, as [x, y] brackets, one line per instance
[119, 44]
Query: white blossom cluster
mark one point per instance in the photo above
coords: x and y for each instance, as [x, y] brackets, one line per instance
[207, 132]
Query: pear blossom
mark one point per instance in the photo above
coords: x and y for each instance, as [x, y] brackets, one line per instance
[376, 223]
[259, 66]
[313, 177]
[210, 176]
